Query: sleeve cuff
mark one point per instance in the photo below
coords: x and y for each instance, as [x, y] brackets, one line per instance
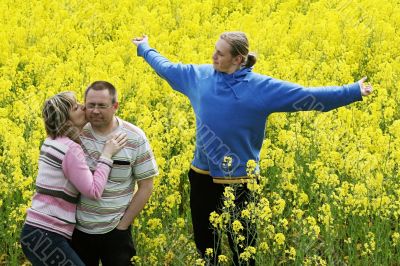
[355, 91]
[105, 160]
[142, 48]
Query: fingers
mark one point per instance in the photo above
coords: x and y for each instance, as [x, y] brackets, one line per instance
[123, 142]
[368, 88]
[119, 139]
[120, 135]
[363, 79]
[115, 144]
[362, 83]
[139, 40]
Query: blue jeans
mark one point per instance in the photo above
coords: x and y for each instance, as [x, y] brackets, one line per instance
[43, 247]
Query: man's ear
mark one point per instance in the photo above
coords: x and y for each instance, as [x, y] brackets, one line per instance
[115, 106]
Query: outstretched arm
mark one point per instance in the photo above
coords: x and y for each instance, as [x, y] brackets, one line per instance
[282, 96]
[180, 76]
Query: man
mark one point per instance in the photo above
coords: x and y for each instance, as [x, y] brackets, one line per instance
[103, 230]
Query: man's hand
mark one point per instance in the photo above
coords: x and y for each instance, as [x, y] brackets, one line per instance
[122, 227]
[366, 88]
[139, 40]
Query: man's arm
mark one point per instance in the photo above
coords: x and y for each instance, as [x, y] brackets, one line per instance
[139, 200]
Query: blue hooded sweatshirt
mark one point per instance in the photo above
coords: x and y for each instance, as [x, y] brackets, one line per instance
[232, 109]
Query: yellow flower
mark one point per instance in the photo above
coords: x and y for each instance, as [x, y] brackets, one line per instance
[237, 226]
[279, 206]
[200, 262]
[254, 186]
[247, 253]
[244, 214]
[180, 222]
[395, 238]
[228, 161]
[136, 259]
[291, 253]
[216, 220]
[154, 223]
[222, 259]
[303, 198]
[169, 257]
[229, 197]
[284, 223]
[369, 247]
[279, 239]
[251, 168]
[310, 227]
[263, 247]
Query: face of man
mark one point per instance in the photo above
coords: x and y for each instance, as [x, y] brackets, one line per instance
[223, 61]
[100, 110]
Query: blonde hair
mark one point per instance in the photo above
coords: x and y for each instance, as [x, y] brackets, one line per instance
[56, 118]
[239, 46]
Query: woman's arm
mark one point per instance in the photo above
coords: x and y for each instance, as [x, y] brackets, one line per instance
[180, 76]
[78, 173]
[282, 96]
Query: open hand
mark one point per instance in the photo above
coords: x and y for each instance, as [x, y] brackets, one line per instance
[138, 40]
[115, 144]
[366, 88]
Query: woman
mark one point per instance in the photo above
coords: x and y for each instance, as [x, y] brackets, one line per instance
[231, 104]
[62, 175]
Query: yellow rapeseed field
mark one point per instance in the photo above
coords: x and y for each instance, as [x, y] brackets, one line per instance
[329, 191]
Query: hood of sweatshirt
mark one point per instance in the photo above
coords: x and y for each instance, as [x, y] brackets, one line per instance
[229, 81]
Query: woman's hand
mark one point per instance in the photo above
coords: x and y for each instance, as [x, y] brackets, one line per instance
[139, 40]
[366, 88]
[115, 144]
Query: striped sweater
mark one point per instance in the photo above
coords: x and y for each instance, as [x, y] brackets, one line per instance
[134, 162]
[63, 174]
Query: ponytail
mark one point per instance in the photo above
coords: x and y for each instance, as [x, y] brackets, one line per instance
[251, 60]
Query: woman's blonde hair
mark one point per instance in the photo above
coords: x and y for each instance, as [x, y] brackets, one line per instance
[239, 46]
[56, 118]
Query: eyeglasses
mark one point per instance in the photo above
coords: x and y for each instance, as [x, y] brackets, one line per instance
[100, 106]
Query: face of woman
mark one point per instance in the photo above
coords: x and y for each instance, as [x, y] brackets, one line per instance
[223, 61]
[77, 115]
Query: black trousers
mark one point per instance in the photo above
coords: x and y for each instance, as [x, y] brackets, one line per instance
[114, 248]
[206, 197]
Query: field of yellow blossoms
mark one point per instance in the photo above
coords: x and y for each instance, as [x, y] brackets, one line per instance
[329, 191]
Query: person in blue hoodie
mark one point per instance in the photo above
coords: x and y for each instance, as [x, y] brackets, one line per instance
[231, 104]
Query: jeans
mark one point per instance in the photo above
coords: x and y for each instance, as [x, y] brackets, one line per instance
[43, 247]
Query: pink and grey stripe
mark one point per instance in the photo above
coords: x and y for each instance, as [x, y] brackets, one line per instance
[58, 189]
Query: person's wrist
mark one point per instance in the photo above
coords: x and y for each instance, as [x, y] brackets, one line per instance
[106, 155]
[121, 226]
